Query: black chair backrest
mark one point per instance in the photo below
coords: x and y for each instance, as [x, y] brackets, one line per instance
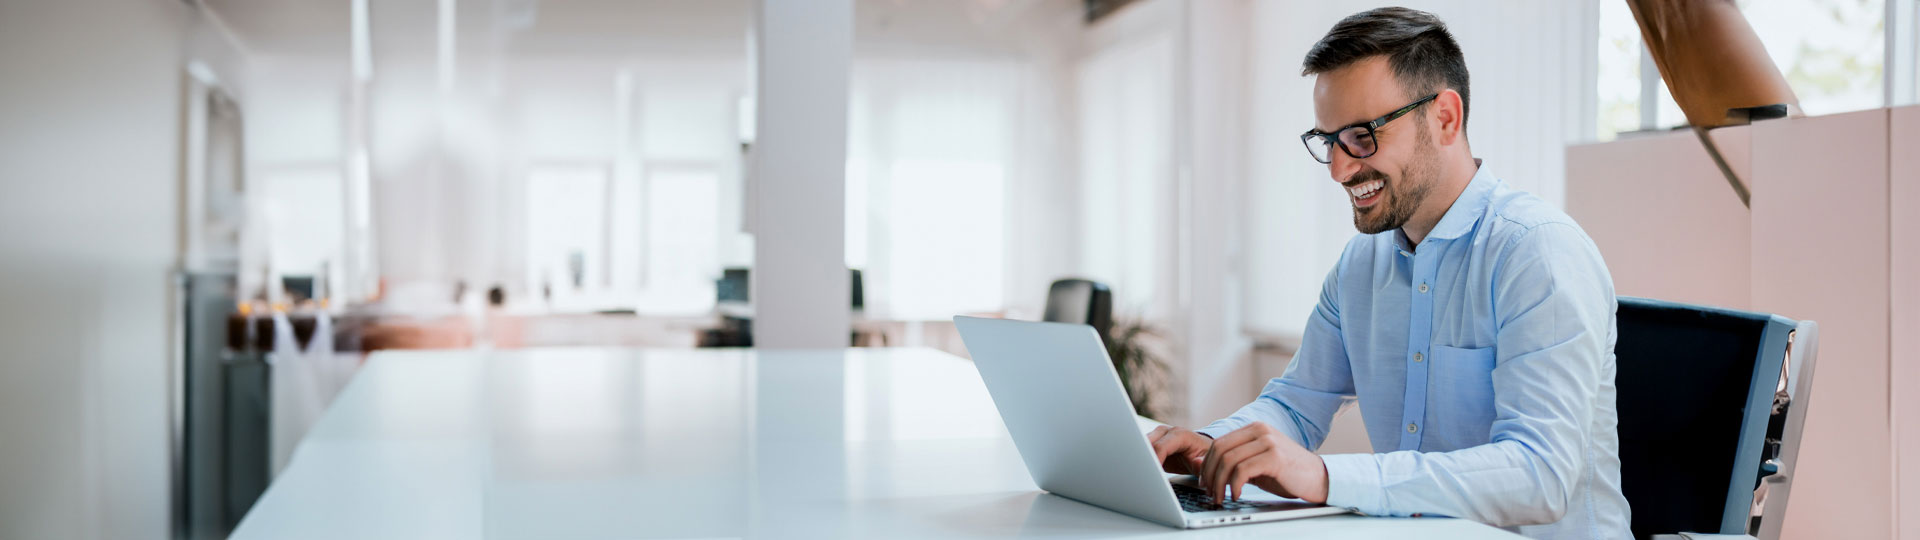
[1695, 389]
[1081, 301]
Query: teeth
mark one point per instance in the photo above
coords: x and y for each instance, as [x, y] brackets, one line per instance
[1362, 191]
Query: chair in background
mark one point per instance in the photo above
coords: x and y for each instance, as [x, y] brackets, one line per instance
[1081, 301]
[1712, 403]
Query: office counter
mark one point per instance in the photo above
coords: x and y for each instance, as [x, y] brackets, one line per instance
[629, 443]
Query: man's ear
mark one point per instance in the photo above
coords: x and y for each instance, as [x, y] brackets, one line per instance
[1449, 117]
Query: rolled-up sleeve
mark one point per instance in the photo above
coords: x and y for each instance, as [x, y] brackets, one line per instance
[1554, 305]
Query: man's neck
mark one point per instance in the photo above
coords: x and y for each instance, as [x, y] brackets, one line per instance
[1453, 182]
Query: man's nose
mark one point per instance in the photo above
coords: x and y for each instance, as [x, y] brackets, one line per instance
[1343, 166]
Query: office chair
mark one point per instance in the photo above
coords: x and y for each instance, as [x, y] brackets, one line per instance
[1081, 301]
[1712, 403]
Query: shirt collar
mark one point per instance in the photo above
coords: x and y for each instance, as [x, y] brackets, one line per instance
[1466, 210]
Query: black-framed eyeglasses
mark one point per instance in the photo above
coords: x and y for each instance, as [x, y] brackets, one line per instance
[1356, 140]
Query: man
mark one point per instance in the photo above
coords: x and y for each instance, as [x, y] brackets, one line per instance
[1473, 322]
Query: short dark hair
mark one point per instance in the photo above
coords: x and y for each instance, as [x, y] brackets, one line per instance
[1423, 55]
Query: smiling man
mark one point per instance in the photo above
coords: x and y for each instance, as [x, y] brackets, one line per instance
[1473, 322]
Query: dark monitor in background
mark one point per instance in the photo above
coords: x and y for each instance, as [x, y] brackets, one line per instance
[733, 287]
[859, 294]
[298, 287]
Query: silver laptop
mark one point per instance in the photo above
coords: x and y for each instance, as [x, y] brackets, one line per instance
[1070, 418]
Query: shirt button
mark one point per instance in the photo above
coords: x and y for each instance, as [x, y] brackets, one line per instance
[1413, 427]
[1423, 288]
[1417, 357]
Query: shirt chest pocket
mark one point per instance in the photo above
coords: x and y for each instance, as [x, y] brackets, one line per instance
[1460, 391]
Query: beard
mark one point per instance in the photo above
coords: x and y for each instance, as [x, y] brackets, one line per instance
[1404, 194]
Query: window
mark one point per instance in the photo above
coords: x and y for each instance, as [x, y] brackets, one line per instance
[304, 215]
[682, 240]
[567, 230]
[1832, 52]
[1620, 53]
[929, 154]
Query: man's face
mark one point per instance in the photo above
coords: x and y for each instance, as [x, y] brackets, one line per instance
[1387, 187]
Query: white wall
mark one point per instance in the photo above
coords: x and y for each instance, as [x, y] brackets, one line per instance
[90, 172]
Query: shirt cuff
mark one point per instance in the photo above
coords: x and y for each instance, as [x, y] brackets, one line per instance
[1219, 428]
[1353, 482]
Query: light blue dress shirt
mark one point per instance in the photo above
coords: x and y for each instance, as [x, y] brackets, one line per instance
[1483, 365]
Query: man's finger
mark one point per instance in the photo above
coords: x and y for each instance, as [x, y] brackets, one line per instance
[1232, 461]
[1160, 448]
[1222, 448]
[1218, 465]
[1212, 482]
[1166, 445]
[1212, 460]
[1243, 474]
[1209, 467]
[1232, 489]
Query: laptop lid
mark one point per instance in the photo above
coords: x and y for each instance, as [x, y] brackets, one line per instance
[1070, 418]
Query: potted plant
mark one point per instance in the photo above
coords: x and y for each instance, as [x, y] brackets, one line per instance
[1132, 344]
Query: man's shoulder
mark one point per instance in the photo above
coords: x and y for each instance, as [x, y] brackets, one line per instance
[1522, 226]
[1513, 214]
[1512, 209]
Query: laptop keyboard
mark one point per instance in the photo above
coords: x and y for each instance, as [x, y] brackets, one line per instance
[1193, 499]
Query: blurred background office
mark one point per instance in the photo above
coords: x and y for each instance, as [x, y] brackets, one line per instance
[211, 211]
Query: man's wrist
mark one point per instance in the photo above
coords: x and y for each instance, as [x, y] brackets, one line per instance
[1213, 431]
[1322, 485]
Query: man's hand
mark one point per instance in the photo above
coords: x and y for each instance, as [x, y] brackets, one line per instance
[1263, 456]
[1179, 449]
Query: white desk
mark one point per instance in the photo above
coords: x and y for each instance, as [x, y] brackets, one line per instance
[620, 443]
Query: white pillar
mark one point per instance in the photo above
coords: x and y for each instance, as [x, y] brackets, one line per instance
[1213, 107]
[800, 279]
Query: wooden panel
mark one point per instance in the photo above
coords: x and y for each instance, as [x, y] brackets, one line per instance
[1665, 219]
[1904, 207]
[1820, 234]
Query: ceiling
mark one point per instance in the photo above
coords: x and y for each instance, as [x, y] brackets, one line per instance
[287, 27]
[593, 27]
[609, 27]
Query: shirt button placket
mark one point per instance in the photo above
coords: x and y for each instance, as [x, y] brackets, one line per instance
[1419, 333]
